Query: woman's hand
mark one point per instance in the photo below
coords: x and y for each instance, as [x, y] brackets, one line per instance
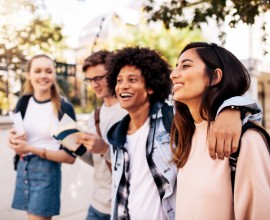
[20, 146]
[13, 143]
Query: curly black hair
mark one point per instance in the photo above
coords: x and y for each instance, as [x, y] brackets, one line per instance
[154, 68]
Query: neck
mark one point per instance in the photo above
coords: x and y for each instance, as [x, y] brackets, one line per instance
[42, 96]
[109, 101]
[138, 118]
[195, 112]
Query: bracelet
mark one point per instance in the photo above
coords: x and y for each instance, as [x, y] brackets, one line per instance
[234, 107]
[44, 153]
[243, 110]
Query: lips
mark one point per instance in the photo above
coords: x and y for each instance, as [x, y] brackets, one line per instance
[125, 95]
[43, 82]
[177, 86]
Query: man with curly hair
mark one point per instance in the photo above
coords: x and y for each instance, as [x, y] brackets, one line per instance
[144, 179]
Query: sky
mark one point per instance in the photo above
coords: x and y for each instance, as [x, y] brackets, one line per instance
[244, 42]
[75, 14]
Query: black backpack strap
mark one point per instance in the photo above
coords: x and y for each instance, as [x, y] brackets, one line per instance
[22, 104]
[66, 107]
[167, 112]
[20, 107]
[96, 115]
[234, 157]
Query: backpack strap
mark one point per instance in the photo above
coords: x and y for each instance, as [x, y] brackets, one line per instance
[97, 116]
[20, 107]
[22, 104]
[97, 113]
[66, 107]
[168, 115]
[234, 157]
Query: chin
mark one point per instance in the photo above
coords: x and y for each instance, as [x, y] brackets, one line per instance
[123, 106]
[100, 96]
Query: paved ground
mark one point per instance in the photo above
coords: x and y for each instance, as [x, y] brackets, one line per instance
[76, 187]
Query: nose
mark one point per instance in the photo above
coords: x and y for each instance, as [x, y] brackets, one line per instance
[124, 84]
[94, 84]
[43, 74]
[174, 74]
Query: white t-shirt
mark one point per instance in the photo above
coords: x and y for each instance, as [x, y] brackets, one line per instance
[38, 121]
[143, 201]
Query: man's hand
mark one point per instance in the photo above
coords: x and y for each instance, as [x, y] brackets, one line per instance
[93, 142]
[224, 135]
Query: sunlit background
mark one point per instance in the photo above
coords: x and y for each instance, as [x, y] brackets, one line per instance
[70, 30]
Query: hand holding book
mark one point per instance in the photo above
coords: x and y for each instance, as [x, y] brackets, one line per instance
[66, 132]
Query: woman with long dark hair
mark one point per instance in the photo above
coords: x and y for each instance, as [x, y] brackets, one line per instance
[205, 76]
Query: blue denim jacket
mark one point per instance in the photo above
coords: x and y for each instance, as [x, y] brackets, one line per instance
[161, 155]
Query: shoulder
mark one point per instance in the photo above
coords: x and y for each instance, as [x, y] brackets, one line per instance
[166, 113]
[65, 102]
[22, 103]
[254, 145]
[23, 99]
[67, 107]
[117, 133]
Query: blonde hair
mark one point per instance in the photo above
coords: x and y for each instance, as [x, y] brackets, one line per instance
[55, 89]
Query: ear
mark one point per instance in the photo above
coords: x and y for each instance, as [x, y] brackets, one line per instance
[150, 91]
[217, 77]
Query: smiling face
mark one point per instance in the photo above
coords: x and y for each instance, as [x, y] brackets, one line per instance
[99, 82]
[42, 75]
[189, 79]
[130, 89]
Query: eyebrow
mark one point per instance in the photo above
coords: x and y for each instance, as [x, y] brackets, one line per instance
[129, 74]
[185, 60]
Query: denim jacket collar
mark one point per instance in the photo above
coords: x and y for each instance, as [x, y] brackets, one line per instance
[117, 133]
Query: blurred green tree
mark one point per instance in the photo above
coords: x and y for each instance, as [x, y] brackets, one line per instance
[26, 29]
[193, 13]
[168, 42]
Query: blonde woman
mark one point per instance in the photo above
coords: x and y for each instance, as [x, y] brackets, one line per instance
[38, 181]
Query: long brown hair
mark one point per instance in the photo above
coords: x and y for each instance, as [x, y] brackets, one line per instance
[55, 90]
[235, 82]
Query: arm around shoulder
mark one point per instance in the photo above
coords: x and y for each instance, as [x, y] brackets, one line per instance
[251, 108]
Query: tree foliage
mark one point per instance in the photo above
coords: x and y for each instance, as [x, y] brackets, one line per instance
[194, 13]
[172, 12]
[168, 42]
[24, 31]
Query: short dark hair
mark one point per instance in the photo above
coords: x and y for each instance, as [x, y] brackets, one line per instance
[154, 69]
[95, 59]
